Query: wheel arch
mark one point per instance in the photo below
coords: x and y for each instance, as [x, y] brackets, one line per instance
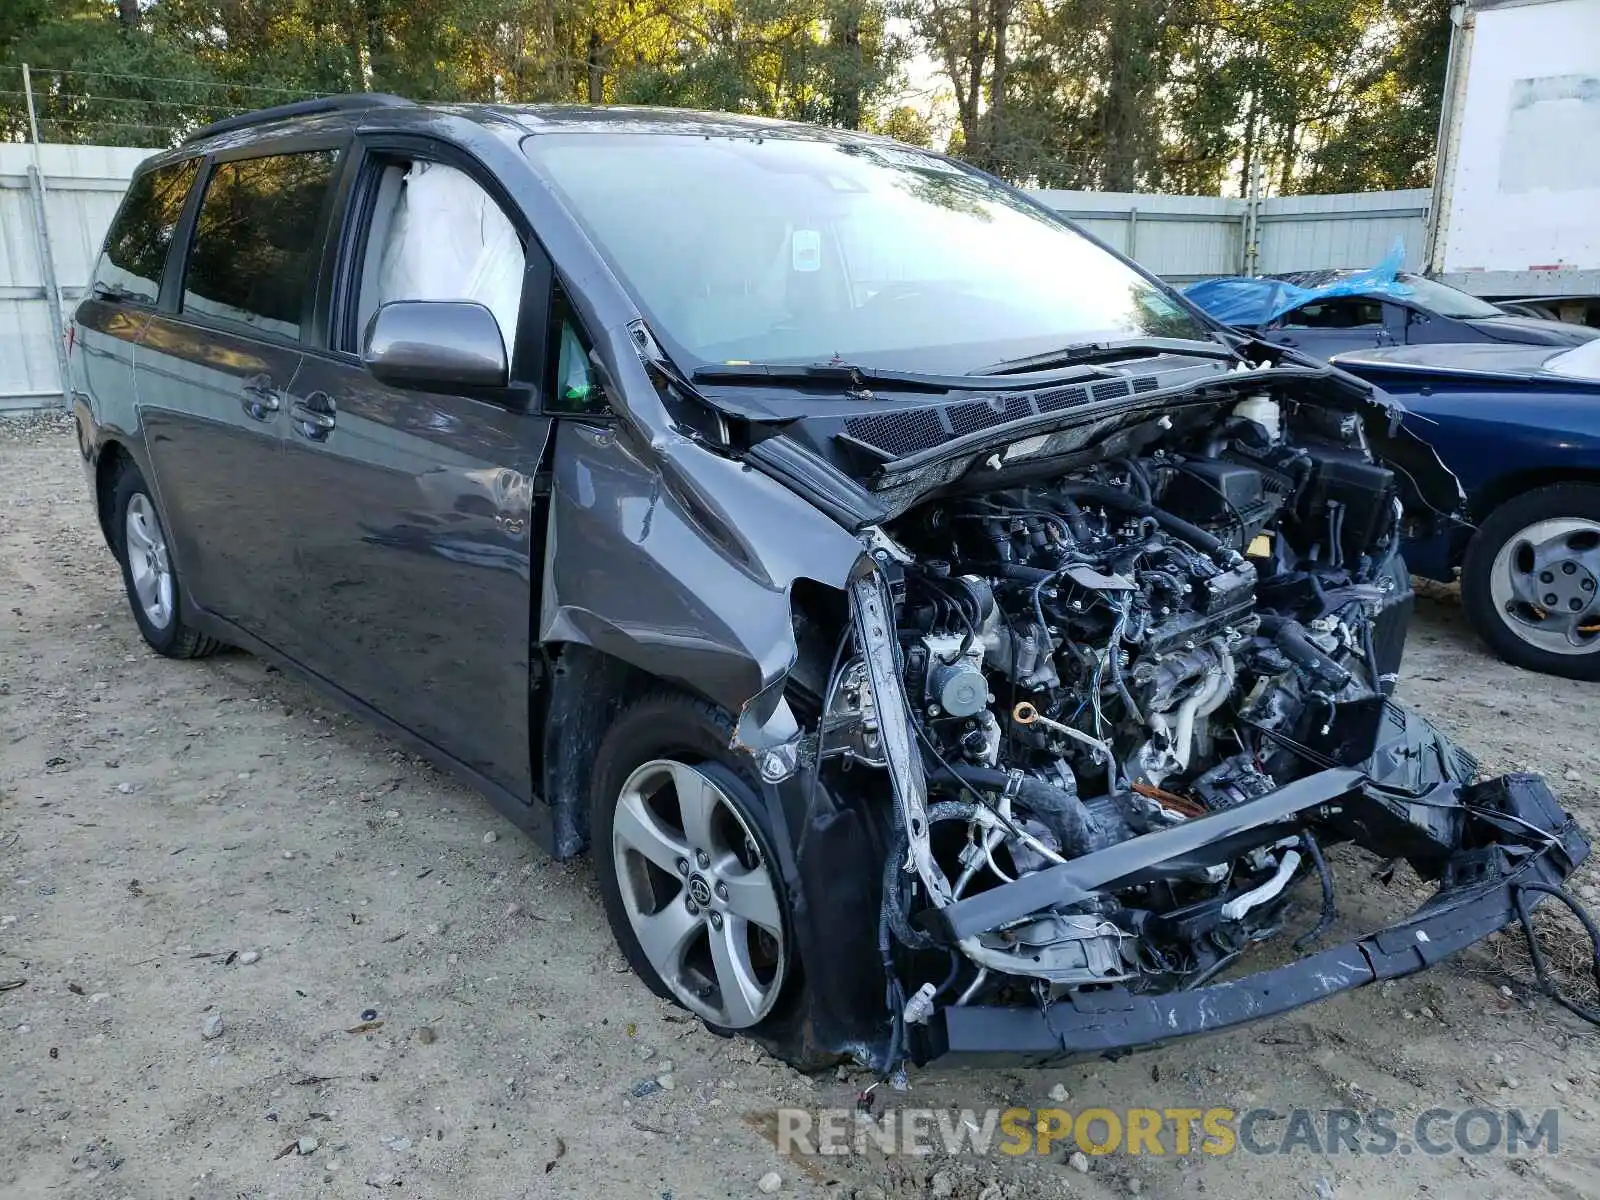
[828, 847]
[112, 458]
[1507, 487]
[585, 687]
[583, 691]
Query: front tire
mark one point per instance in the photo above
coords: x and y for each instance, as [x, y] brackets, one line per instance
[687, 872]
[1530, 582]
[148, 573]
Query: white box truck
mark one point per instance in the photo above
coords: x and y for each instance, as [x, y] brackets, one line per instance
[1516, 196]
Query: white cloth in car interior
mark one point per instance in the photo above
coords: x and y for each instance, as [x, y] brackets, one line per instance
[448, 240]
[384, 207]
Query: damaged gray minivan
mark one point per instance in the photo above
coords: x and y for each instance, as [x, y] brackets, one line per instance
[946, 640]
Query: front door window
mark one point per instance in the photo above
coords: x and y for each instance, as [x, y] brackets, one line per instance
[437, 235]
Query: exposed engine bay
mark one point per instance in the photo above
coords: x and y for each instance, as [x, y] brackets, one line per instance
[1098, 664]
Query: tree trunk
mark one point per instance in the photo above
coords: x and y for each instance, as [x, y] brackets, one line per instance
[597, 71]
[354, 23]
[996, 147]
[846, 37]
[1122, 98]
[975, 61]
[1290, 153]
[958, 35]
[376, 59]
[1247, 149]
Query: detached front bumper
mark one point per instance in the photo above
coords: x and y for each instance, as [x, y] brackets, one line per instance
[1514, 834]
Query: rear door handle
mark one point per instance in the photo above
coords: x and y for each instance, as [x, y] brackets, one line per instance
[313, 416]
[259, 398]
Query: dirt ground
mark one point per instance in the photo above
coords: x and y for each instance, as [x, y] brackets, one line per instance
[404, 979]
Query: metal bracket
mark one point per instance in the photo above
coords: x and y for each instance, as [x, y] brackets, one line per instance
[874, 621]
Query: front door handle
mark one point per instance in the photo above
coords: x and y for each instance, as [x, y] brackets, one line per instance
[259, 398]
[313, 416]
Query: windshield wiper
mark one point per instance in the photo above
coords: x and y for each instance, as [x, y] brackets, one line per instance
[854, 378]
[1090, 352]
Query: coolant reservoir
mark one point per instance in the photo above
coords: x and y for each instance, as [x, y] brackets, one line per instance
[1263, 410]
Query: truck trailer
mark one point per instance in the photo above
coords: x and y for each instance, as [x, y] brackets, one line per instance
[1516, 197]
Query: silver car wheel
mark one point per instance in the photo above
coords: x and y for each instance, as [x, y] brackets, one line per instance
[1545, 583]
[699, 895]
[145, 545]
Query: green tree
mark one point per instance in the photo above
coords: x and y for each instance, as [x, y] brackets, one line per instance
[1387, 139]
[1187, 95]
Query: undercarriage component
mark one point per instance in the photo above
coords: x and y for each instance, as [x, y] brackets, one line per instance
[1480, 891]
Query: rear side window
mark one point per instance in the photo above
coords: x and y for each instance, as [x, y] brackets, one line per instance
[1345, 313]
[256, 240]
[140, 236]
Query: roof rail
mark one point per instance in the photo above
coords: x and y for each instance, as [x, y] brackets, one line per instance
[300, 108]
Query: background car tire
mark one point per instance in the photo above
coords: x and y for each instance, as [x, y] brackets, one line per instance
[1565, 512]
[671, 726]
[143, 553]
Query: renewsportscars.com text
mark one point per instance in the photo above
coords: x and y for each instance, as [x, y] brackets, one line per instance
[1168, 1131]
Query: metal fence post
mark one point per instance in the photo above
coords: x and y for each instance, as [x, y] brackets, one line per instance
[1251, 250]
[41, 237]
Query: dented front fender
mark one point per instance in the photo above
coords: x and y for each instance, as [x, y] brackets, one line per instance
[680, 561]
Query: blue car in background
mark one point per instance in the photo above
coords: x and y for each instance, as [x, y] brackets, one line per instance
[1520, 427]
[1324, 313]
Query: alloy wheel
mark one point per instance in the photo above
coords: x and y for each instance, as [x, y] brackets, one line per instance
[699, 894]
[149, 567]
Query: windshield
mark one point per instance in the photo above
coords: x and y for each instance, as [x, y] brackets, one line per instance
[771, 250]
[1447, 301]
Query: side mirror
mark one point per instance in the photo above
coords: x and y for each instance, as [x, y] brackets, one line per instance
[436, 346]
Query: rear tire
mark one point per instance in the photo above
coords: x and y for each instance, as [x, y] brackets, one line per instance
[1530, 582]
[139, 539]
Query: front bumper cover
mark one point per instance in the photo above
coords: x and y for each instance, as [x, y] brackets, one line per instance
[1515, 834]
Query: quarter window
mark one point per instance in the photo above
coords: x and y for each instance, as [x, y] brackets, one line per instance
[576, 388]
[256, 240]
[140, 236]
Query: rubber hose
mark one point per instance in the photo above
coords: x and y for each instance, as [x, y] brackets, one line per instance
[1015, 571]
[1290, 637]
[1129, 704]
[893, 909]
[1127, 502]
[1058, 808]
[1385, 687]
[1076, 521]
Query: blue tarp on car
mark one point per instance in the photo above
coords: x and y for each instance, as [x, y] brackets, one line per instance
[1246, 300]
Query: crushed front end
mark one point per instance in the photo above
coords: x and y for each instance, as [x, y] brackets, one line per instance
[1105, 703]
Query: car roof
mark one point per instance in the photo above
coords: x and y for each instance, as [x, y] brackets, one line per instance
[376, 112]
[590, 118]
[1326, 275]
